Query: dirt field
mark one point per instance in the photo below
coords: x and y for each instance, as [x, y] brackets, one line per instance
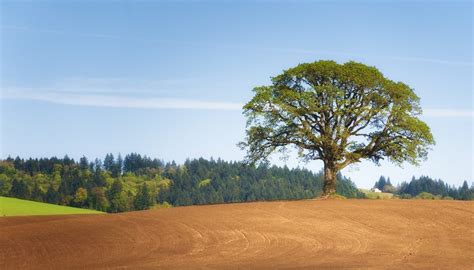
[378, 234]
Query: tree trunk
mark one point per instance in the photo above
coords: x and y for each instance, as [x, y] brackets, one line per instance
[329, 179]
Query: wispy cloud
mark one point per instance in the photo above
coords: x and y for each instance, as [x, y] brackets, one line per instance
[122, 85]
[115, 101]
[91, 98]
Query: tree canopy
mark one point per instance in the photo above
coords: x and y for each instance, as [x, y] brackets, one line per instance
[337, 113]
[151, 181]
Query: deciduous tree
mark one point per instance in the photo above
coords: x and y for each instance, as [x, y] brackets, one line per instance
[80, 197]
[339, 114]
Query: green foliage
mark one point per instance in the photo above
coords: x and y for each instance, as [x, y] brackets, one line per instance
[164, 183]
[63, 181]
[19, 189]
[427, 196]
[465, 193]
[376, 195]
[199, 181]
[98, 199]
[204, 183]
[436, 187]
[337, 197]
[389, 189]
[119, 200]
[119, 203]
[385, 185]
[345, 187]
[116, 188]
[5, 184]
[405, 196]
[80, 197]
[51, 196]
[37, 193]
[7, 168]
[17, 207]
[234, 182]
[162, 205]
[143, 200]
[340, 114]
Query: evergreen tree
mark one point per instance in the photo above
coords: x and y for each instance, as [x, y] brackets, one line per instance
[435, 187]
[143, 199]
[119, 201]
[116, 169]
[67, 161]
[98, 178]
[380, 184]
[109, 162]
[97, 165]
[98, 199]
[83, 163]
[19, 189]
[37, 194]
[5, 184]
[197, 181]
[464, 192]
[51, 196]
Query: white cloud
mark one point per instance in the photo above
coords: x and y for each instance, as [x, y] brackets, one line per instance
[122, 99]
[115, 101]
[99, 85]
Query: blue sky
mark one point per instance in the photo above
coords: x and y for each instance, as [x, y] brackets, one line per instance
[168, 79]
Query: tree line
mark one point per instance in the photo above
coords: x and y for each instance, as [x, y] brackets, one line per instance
[137, 182]
[425, 187]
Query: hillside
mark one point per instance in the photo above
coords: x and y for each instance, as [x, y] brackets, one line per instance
[311, 234]
[17, 207]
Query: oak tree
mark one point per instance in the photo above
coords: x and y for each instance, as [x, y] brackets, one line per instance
[339, 114]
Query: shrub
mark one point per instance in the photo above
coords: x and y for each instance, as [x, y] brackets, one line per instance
[405, 196]
[426, 196]
[389, 189]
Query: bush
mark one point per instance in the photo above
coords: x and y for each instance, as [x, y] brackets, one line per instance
[405, 196]
[426, 196]
[389, 189]
[162, 205]
[337, 197]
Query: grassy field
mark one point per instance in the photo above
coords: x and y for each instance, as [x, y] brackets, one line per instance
[376, 195]
[17, 207]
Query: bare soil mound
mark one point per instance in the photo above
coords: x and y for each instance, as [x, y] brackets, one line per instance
[376, 234]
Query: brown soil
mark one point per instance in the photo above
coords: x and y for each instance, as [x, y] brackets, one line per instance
[314, 234]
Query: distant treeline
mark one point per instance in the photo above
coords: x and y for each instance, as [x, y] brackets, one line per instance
[426, 188]
[138, 182]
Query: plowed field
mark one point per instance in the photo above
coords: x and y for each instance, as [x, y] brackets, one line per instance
[313, 234]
